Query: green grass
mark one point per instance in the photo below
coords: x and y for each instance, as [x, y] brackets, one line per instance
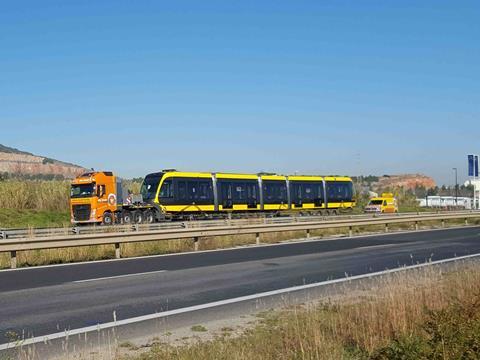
[198, 328]
[406, 208]
[15, 218]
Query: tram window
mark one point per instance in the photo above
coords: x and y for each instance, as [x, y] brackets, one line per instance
[275, 192]
[252, 191]
[306, 191]
[239, 191]
[191, 190]
[204, 191]
[166, 190]
[295, 191]
[225, 190]
[182, 190]
[339, 191]
[319, 190]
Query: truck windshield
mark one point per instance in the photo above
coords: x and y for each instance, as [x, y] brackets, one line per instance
[376, 202]
[82, 190]
[150, 186]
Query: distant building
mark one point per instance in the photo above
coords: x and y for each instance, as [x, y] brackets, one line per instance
[476, 185]
[446, 202]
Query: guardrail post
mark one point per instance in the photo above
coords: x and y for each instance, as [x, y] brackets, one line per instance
[466, 221]
[386, 227]
[13, 259]
[308, 233]
[195, 243]
[117, 251]
[443, 223]
[257, 238]
[416, 225]
[350, 231]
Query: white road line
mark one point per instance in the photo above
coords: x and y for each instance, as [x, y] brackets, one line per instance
[119, 276]
[283, 243]
[63, 334]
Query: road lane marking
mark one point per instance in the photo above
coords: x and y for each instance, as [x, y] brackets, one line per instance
[165, 314]
[119, 276]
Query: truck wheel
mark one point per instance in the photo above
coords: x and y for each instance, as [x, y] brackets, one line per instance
[148, 217]
[127, 217]
[137, 217]
[107, 219]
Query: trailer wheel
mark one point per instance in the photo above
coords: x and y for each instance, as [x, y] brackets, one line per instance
[148, 217]
[127, 217]
[107, 218]
[137, 217]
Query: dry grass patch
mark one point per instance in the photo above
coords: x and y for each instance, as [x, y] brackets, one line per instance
[35, 194]
[423, 314]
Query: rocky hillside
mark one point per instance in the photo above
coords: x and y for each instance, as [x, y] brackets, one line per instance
[405, 181]
[14, 162]
[417, 183]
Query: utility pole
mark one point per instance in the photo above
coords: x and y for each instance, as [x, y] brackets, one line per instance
[456, 186]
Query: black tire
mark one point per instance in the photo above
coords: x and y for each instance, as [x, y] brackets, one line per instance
[148, 217]
[127, 217]
[137, 217]
[107, 218]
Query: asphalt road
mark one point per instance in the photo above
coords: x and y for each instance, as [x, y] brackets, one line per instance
[40, 301]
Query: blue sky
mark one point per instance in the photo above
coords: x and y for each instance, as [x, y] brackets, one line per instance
[345, 87]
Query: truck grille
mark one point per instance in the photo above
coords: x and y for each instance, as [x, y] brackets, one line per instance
[81, 212]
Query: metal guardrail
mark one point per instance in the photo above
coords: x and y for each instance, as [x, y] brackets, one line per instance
[196, 232]
[99, 229]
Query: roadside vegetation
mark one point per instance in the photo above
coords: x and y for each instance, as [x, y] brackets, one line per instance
[36, 195]
[15, 218]
[430, 313]
[33, 203]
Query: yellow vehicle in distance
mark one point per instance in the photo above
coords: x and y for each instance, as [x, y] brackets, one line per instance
[387, 203]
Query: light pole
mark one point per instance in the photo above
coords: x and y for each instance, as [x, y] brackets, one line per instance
[456, 186]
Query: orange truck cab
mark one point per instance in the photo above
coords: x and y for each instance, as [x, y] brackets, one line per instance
[101, 197]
